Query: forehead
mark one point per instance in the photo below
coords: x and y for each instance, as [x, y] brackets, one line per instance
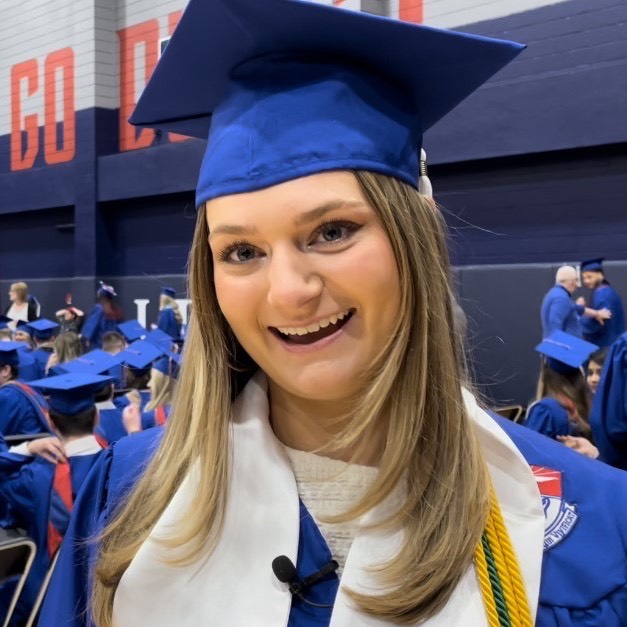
[286, 199]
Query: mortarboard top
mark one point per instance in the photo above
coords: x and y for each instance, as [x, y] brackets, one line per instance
[563, 349]
[94, 362]
[592, 265]
[139, 354]
[9, 354]
[169, 291]
[160, 339]
[71, 393]
[106, 290]
[132, 330]
[285, 88]
[43, 329]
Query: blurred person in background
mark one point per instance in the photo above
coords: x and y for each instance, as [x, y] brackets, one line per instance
[170, 319]
[22, 307]
[104, 317]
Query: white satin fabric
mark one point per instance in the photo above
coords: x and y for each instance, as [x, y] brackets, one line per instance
[235, 587]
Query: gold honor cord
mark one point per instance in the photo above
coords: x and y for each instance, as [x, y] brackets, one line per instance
[498, 572]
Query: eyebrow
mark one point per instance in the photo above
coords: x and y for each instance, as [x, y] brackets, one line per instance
[303, 219]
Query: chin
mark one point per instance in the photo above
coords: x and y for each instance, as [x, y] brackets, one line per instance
[328, 385]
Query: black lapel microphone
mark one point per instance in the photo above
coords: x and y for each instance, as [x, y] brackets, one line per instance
[285, 571]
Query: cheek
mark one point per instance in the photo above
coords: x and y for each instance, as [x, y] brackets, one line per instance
[238, 298]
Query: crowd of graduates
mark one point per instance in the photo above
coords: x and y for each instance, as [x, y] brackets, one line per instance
[68, 391]
[581, 398]
[71, 388]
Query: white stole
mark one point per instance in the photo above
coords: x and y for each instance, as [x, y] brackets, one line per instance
[235, 586]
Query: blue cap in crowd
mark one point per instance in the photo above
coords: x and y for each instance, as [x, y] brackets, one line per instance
[4, 321]
[9, 354]
[43, 329]
[592, 265]
[94, 362]
[160, 339]
[139, 354]
[72, 393]
[132, 330]
[168, 291]
[106, 290]
[565, 352]
[283, 89]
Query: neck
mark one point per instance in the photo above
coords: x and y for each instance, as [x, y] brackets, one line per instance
[313, 425]
[66, 439]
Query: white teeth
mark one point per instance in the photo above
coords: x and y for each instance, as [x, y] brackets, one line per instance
[312, 328]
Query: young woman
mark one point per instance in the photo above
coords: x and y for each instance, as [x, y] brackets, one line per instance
[595, 368]
[170, 318]
[351, 437]
[67, 346]
[161, 386]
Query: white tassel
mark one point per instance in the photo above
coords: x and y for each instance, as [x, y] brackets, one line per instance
[424, 184]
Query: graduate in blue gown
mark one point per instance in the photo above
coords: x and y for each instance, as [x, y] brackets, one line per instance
[609, 408]
[604, 296]
[103, 318]
[22, 409]
[42, 494]
[170, 320]
[44, 333]
[314, 331]
[563, 406]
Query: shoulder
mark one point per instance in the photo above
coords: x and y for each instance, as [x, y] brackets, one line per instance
[129, 457]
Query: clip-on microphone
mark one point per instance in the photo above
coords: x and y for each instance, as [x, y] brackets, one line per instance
[285, 571]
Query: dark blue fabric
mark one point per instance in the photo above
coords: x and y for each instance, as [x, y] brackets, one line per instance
[549, 417]
[608, 418]
[19, 413]
[110, 426]
[28, 492]
[605, 297]
[41, 357]
[96, 326]
[168, 324]
[559, 313]
[149, 418]
[584, 577]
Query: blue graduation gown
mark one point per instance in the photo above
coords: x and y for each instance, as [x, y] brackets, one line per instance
[96, 325]
[584, 570]
[41, 357]
[28, 493]
[605, 296]
[168, 324]
[549, 417]
[18, 413]
[608, 418]
[149, 418]
[110, 427]
[560, 313]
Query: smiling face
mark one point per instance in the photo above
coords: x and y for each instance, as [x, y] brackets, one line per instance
[306, 278]
[592, 279]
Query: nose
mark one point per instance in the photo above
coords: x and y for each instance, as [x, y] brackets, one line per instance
[294, 286]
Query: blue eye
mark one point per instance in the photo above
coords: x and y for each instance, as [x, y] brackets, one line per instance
[336, 231]
[238, 252]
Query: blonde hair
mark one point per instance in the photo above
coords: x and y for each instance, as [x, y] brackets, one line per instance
[21, 290]
[168, 301]
[161, 389]
[430, 441]
[67, 347]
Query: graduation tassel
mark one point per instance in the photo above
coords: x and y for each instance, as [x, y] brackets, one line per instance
[424, 184]
[498, 572]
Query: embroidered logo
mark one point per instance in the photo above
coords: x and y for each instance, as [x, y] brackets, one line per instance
[560, 517]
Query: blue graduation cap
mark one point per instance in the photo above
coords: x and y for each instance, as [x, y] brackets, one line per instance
[168, 291]
[106, 290]
[140, 354]
[132, 330]
[592, 265]
[94, 362]
[4, 321]
[284, 88]
[71, 393]
[565, 352]
[160, 339]
[9, 354]
[43, 329]
[23, 326]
